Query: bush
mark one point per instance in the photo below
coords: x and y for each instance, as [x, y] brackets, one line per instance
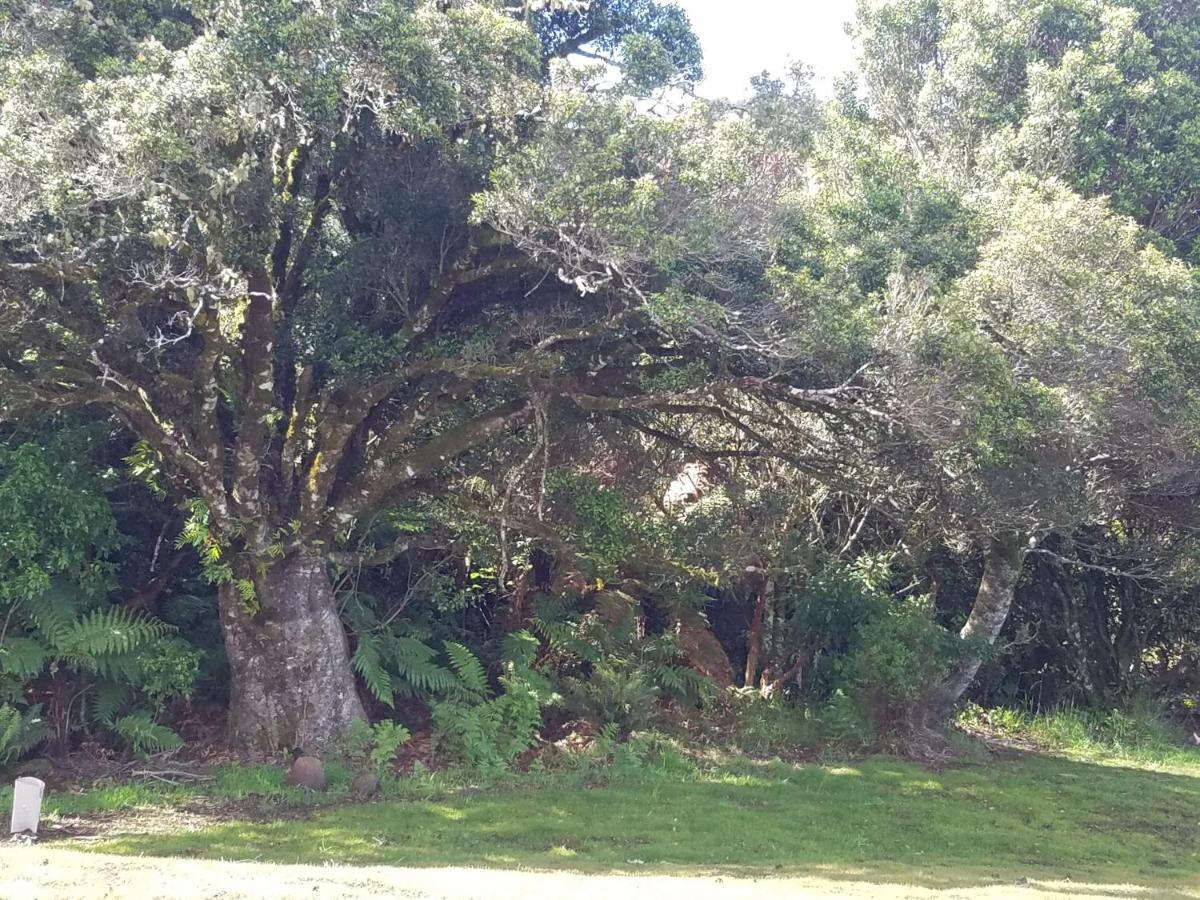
[57, 576]
[490, 734]
[844, 721]
[901, 653]
[616, 694]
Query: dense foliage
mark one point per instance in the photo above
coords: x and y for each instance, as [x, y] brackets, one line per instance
[403, 360]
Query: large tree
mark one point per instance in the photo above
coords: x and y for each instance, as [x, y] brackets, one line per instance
[248, 229]
[1050, 386]
[1047, 389]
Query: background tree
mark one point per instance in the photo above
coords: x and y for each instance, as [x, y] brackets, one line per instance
[1052, 384]
[1099, 94]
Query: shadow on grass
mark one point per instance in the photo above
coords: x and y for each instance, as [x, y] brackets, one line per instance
[882, 820]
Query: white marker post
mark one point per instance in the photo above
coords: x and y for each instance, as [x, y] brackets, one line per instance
[27, 804]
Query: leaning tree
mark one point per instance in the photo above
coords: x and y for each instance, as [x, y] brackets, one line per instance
[1047, 389]
[247, 229]
[1087, 326]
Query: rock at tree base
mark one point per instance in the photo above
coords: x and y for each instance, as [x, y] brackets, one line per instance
[307, 772]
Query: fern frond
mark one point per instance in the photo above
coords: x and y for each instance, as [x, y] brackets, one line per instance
[468, 669]
[19, 731]
[22, 656]
[109, 699]
[110, 631]
[143, 734]
[563, 637]
[125, 667]
[54, 612]
[682, 682]
[519, 649]
[368, 662]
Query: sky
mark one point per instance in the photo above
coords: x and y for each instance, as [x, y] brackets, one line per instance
[742, 38]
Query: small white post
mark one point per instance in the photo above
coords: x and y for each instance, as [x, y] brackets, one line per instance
[27, 804]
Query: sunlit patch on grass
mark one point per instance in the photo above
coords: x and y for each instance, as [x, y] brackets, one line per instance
[736, 780]
[926, 785]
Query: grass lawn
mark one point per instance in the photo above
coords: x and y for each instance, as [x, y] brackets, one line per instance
[1034, 817]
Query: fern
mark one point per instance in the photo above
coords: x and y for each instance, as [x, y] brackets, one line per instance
[143, 734]
[22, 656]
[467, 667]
[491, 734]
[387, 736]
[368, 662]
[682, 682]
[53, 613]
[19, 731]
[110, 631]
[109, 698]
[413, 660]
[563, 636]
[519, 649]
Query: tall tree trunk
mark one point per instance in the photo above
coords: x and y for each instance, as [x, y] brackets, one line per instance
[291, 680]
[1001, 570]
[754, 638]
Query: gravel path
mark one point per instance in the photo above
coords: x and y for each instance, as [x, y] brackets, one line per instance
[40, 873]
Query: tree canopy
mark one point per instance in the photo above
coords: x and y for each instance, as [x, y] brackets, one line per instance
[435, 294]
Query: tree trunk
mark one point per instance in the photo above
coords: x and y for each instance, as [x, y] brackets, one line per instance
[292, 685]
[755, 636]
[1001, 570]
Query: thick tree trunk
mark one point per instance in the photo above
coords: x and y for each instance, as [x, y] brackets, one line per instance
[1001, 570]
[291, 680]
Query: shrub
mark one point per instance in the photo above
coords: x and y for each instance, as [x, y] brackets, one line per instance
[901, 652]
[490, 734]
[614, 694]
[769, 727]
[57, 574]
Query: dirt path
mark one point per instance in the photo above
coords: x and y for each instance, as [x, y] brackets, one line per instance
[41, 873]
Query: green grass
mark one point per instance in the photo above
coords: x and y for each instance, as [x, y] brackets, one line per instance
[1138, 734]
[1117, 802]
[1036, 817]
